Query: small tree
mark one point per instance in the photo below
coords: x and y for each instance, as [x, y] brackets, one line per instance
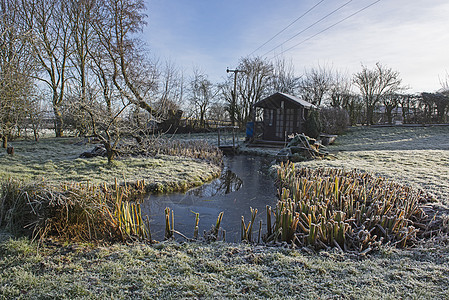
[390, 102]
[374, 84]
[334, 120]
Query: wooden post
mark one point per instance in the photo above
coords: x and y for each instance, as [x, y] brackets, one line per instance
[233, 138]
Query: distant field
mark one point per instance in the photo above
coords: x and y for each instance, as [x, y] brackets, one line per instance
[416, 156]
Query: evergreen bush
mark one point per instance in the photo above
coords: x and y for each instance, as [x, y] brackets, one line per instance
[313, 124]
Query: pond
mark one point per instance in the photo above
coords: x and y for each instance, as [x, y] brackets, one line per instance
[244, 183]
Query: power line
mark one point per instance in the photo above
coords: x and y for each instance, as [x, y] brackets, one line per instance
[288, 26]
[327, 28]
[308, 27]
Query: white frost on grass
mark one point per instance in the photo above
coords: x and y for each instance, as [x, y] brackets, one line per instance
[418, 157]
[56, 160]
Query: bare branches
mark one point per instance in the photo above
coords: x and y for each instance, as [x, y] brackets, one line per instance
[116, 22]
[16, 68]
[203, 93]
[374, 83]
[315, 84]
[252, 86]
[47, 20]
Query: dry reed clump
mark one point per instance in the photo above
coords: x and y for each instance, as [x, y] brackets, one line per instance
[74, 211]
[198, 149]
[350, 210]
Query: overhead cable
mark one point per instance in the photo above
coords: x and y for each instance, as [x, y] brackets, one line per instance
[327, 28]
[288, 26]
[310, 26]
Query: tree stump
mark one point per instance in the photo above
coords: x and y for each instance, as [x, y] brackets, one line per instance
[10, 150]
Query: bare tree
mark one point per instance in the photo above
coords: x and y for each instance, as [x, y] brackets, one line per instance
[80, 14]
[202, 94]
[252, 85]
[315, 84]
[171, 88]
[217, 111]
[390, 102]
[339, 90]
[353, 104]
[374, 84]
[16, 67]
[50, 27]
[226, 91]
[115, 25]
[284, 79]
[113, 74]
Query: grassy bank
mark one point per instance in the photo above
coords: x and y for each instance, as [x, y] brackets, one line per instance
[56, 160]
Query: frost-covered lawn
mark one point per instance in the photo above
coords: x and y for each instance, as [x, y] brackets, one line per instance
[217, 271]
[416, 156]
[56, 160]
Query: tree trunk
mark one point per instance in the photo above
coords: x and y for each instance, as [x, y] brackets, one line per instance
[4, 141]
[389, 114]
[58, 122]
[110, 153]
[370, 114]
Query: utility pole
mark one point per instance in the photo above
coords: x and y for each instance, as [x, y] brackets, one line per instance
[234, 96]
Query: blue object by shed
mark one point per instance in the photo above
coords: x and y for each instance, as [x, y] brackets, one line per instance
[249, 129]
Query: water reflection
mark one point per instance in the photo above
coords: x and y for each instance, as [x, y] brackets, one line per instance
[227, 183]
[244, 183]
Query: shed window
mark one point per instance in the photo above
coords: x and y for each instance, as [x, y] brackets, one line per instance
[279, 123]
[289, 115]
[268, 116]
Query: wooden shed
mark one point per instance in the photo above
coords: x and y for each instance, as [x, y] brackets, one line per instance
[280, 115]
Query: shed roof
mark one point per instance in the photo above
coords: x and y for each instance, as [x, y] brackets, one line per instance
[282, 96]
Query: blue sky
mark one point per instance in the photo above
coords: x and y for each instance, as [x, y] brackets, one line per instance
[410, 36]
